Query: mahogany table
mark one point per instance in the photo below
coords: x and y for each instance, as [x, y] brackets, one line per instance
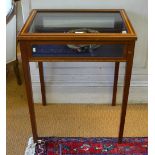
[77, 36]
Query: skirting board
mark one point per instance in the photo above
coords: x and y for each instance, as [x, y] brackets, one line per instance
[89, 95]
[87, 83]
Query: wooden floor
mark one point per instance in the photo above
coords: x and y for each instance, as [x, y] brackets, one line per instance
[66, 120]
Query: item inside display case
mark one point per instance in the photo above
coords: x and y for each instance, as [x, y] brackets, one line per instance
[83, 48]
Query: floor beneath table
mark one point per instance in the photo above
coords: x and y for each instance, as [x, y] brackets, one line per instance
[66, 120]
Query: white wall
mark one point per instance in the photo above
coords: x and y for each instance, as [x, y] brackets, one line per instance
[92, 82]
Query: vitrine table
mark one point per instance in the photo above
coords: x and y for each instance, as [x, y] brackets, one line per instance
[77, 36]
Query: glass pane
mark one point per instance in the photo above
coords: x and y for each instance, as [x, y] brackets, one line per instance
[78, 51]
[78, 22]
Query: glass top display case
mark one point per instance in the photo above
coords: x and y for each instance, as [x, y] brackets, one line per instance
[77, 36]
[72, 25]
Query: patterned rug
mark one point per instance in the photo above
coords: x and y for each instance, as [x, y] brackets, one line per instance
[93, 146]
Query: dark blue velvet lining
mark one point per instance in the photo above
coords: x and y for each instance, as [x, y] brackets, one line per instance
[64, 51]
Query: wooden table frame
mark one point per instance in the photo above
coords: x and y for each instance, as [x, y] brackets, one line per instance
[26, 41]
